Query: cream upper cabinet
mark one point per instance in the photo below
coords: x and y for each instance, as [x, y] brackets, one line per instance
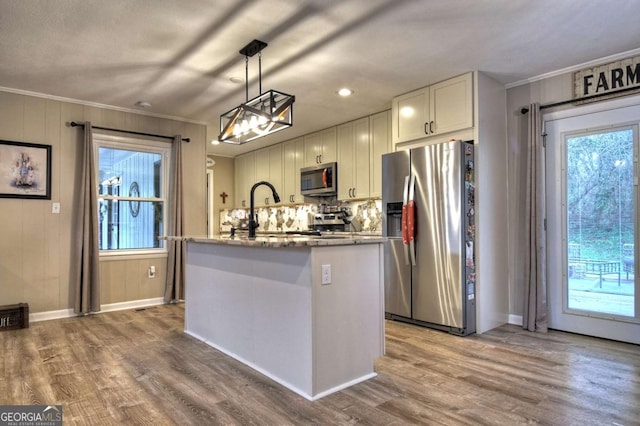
[451, 104]
[353, 159]
[380, 143]
[244, 178]
[411, 116]
[320, 147]
[268, 167]
[293, 161]
[441, 108]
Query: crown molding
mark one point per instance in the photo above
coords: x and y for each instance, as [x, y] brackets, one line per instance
[595, 62]
[97, 105]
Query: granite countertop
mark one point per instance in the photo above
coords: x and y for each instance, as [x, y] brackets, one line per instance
[281, 240]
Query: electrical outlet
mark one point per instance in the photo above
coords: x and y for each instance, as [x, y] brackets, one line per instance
[55, 208]
[326, 274]
[152, 272]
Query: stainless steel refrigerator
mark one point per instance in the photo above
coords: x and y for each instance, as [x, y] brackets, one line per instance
[428, 196]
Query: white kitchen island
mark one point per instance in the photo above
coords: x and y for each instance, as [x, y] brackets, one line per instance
[263, 303]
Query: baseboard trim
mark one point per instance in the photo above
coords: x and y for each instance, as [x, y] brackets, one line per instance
[132, 304]
[515, 319]
[51, 315]
[110, 307]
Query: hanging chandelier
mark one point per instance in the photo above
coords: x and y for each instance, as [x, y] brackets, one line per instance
[263, 115]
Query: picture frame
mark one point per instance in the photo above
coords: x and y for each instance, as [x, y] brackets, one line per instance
[25, 170]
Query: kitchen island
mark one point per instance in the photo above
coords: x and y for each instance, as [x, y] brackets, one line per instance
[262, 301]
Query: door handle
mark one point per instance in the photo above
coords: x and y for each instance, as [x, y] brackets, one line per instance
[405, 229]
[426, 128]
[431, 127]
[411, 220]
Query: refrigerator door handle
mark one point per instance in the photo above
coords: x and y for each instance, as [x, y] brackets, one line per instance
[405, 218]
[411, 220]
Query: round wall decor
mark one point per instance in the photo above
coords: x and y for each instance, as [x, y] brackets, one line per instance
[134, 206]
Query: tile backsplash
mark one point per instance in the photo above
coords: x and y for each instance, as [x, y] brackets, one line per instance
[366, 216]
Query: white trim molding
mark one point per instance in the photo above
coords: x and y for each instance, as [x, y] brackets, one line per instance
[578, 67]
[111, 307]
[98, 105]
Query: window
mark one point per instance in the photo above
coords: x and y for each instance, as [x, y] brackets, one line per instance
[132, 194]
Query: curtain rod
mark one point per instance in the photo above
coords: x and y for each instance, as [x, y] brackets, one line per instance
[586, 98]
[77, 124]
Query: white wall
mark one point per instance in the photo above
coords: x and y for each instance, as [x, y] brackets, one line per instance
[35, 245]
[491, 204]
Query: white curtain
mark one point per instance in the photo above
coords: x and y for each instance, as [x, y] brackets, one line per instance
[535, 303]
[87, 280]
[174, 289]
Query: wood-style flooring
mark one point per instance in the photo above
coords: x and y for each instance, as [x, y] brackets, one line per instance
[139, 367]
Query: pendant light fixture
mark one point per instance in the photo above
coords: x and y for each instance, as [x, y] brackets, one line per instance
[263, 115]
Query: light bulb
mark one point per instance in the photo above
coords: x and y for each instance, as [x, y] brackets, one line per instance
[253, 122]
[244, 127]
[262, 120]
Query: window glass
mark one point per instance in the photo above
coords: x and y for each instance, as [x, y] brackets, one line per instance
[131, 194]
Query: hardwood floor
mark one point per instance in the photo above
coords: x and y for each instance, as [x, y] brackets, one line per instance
[138, 367]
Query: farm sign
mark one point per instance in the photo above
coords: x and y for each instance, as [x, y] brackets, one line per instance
[607, 79]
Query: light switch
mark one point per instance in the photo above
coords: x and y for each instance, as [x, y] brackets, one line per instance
[55, 208]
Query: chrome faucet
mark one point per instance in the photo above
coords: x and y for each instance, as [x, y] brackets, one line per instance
[253, 220]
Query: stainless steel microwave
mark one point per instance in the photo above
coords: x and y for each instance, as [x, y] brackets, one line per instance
[320, 180]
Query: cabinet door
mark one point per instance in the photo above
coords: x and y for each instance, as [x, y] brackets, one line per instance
[275, 173]
[320, 147]
[410, 116]
[353, 159]
[293, 161]
[312, 149]
[328, 143]
[380, 142]
[362, 158]
[268, 167]
[244, 178]
[451, 104]
[261, 194]
[346, 160]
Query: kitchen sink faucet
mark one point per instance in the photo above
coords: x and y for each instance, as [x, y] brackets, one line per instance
[253, 220]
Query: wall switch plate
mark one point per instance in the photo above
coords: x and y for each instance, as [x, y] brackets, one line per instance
[152, 272]
[55, 208]
[326, 274]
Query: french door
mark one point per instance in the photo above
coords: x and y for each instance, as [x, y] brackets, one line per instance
[592, 221]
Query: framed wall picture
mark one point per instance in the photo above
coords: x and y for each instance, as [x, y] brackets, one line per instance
[25, 170]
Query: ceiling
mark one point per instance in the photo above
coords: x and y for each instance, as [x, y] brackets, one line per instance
[180, 55]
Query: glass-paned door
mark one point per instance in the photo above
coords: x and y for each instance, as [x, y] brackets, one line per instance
[600, 221]
[592, 223]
